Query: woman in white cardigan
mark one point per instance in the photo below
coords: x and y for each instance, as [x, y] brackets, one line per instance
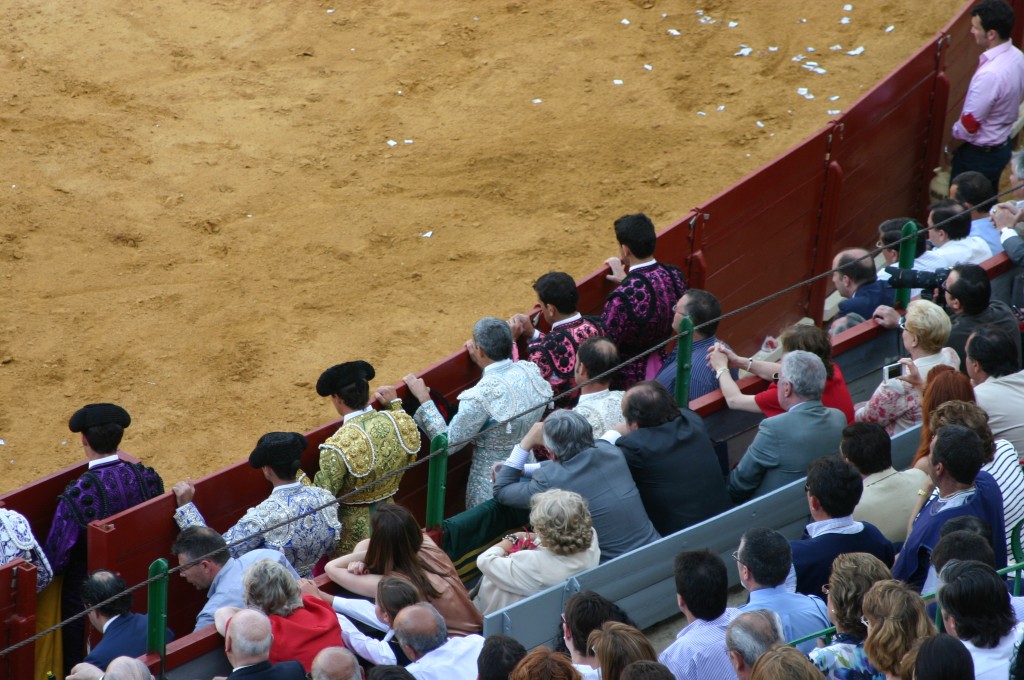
[563, 544]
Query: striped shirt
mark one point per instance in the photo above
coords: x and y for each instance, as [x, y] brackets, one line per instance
[699, 650]
[1006, 469]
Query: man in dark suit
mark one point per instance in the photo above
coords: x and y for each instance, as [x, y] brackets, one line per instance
[671, 459]
[247, 646]
[786, 444]
[834, 488]
[124, 632]
[598, 472]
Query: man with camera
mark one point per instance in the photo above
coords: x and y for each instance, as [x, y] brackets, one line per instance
[949, 231]
[968, 300]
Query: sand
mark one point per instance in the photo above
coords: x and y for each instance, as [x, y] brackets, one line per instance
[205, 203]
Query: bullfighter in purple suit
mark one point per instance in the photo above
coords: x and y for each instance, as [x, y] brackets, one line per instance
[554, 352]
[109, 486]
[638, 313]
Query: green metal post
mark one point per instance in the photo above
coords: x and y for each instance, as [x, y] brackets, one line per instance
[156, 639]
[437, 481]
[908, 251]
[684, 359]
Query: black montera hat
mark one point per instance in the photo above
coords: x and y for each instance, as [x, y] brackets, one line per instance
[91, 415]
[336, 377]
[277, 448]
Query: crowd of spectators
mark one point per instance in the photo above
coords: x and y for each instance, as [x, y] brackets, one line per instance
[612, 467]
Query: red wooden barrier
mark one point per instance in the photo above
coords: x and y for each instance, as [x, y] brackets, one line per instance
[17, 617]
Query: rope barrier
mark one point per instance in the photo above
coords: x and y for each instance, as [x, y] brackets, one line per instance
[603, 377]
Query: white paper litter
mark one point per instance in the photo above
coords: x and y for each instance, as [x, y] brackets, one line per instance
[759, 124]
[537, 101]
[819, 70]
[847, 8]
[744, 51]
[844, 20]
[773, 48]
[799, 57]
[2, 442]
[834, 112]
[400, 93]
[664, 16]
[834, 98]
[624, 22]
[889, 29]
[856, 52]
[673, 31]
[330, 11]
[810, 49]
[801, 21]
[721, 107]
[706, 20]
[701, 113]
[648, 67]
[408, 141]
[804, 92]
[249, 215]
[392, 142]
[699, 13]
[836, 48]
[733, 24]
[426, 234]
[616, 82]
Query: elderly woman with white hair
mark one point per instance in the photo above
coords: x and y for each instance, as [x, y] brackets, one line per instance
[564, 543]
[896, 403]
[302, 625]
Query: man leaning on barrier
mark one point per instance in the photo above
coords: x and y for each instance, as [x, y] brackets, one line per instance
[596, 471]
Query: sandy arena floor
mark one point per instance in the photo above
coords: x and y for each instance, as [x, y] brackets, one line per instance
[205, 203]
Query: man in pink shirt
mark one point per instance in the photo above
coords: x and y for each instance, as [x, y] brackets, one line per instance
[981, 134]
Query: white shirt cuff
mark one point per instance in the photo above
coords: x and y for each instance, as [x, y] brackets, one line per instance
[517, 458]
[1006, 234]
[611, 436]
[530, 468]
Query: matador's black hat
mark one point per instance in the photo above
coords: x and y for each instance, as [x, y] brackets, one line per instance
[91, 415]
[277, 449]
[336, 377]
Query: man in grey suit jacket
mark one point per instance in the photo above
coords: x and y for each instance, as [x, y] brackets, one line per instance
[598, 472]
[787, 443]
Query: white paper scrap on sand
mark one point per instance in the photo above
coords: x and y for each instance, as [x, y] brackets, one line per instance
[673, 31]
[890, 29]
[773, 48]
[408, 141]
[856, 52]
[834, 98]
[834, 112]
[537, 101]
[847, 8]
[427, 234]
[744, 51]
[759, 124]
[701, 113]
[392, 142]
[616, 82]
[844, 20]
[733, 24]
[624, 22]
[648, 67]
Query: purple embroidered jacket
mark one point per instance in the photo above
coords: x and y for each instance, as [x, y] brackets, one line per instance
[100, 492]
[638, 314]
[555, 352]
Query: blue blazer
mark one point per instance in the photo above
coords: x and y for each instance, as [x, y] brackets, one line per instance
[125, 636]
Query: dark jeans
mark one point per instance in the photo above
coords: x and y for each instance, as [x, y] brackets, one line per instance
[989, 163]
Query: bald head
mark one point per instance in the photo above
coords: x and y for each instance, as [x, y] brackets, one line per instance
[127, 668]
[335, 663]
[248, 639]
[855, 268]
[420, 629]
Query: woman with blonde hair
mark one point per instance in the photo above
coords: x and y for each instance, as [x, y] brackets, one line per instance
[783, 662]
[617, 645]
[853, 574]
[896, 404]
[895, 618]
[522, 564]
[544, 664]
[301, 625]
[801, 336]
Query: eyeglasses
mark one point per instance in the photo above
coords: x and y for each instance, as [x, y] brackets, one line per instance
[903, 323]
[864, 620]
[736, 556]
[825, 589]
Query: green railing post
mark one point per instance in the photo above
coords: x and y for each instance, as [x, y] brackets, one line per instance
[908, 251]
[684, 362]
[156, 639]
[437, 481]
